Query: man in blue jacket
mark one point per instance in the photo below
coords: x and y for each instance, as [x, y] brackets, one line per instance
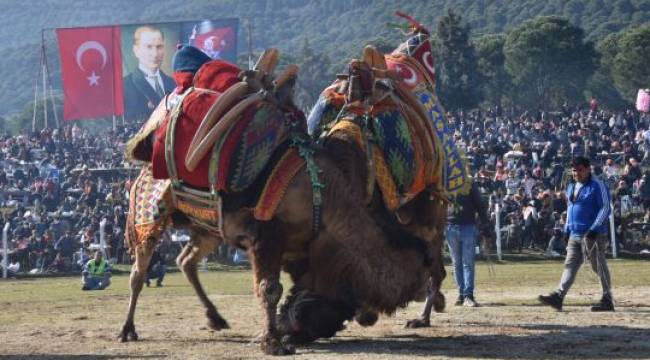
[586, 234]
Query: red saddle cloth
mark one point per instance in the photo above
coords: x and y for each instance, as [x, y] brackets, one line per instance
[217, 76]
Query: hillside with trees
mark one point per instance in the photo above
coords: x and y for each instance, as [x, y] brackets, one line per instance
[321, 36]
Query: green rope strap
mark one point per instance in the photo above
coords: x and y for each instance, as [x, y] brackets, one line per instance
[306, 151]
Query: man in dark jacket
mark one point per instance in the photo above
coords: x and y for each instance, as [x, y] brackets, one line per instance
[145, 86]
[462, 234]
[586, 234]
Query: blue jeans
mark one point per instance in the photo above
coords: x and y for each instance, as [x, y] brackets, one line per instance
[462, 242]
[96, 283]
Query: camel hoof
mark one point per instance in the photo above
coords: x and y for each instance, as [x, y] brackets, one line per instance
[272, 346]
[217, 323]
[133, 336]
[439, 302]
[366, 318]
[417, 324]
[128, 334]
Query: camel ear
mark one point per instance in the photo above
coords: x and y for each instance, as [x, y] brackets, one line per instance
[290, 72]
[285, 83]
[267, 62]
[374, 58]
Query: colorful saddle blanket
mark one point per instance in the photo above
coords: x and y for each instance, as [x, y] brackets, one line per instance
[240, 156]
[150, 207]
[387, 136]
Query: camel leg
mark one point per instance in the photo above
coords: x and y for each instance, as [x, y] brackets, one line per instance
[266, 257]
[435, 299]
[136, 280]
[435, 212]
[187, 261]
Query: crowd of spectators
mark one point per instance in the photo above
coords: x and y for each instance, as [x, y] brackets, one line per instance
[59, 186]
[521, 162]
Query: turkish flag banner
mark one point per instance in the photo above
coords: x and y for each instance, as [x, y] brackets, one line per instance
[216, 43]
[91, 68]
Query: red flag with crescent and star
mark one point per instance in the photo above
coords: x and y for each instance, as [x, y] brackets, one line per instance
[91, 68]
[216, 43]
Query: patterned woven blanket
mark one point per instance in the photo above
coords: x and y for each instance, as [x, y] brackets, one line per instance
[150, 208]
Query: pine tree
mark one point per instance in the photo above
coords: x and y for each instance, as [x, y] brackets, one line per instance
[457, 65]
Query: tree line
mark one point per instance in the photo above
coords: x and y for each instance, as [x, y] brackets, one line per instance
[543, 63]
[576, 49]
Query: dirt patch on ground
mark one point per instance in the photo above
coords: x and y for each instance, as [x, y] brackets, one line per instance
[509, 325]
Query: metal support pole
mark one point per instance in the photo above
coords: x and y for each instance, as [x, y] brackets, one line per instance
[36, 80]
[250, 43]
[44, 84]
[497, 210]
[49, 80]
[5, 260]
[612, 229]
[102, 238]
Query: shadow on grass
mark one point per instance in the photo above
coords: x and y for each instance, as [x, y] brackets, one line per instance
[556, 342]
[77, 357]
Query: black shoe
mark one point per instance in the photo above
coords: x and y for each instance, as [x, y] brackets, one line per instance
[158, 284]
[605, 304]
[554, 300]
[459, 301]
[148, 283]
[85, 288]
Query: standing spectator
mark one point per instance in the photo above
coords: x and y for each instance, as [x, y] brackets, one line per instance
[66, 245]
[531, 217]
[462, 240]
[586, 234]
[644, 190]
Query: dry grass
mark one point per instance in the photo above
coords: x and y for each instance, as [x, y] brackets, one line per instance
[53, 319]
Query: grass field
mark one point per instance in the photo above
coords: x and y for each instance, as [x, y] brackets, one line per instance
[51, 318]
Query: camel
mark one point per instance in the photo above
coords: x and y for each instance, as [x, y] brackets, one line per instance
[318, 228]
[347, 121]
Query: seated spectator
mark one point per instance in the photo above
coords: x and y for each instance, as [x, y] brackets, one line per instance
[13, 265]
[96, 274]
[59, 264]
[611, 169]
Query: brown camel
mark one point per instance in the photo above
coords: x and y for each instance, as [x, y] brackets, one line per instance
[323, 236]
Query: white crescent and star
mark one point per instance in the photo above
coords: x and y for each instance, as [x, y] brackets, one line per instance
[402, 69]
[427, 59]
[93, 79]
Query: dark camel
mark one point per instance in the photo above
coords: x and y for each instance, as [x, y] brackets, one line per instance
[424, 215]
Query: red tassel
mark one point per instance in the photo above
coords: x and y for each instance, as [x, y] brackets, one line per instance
[416, 26]
[412, 21]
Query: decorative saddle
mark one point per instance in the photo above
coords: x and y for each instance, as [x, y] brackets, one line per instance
[387, 103]
[221, 130]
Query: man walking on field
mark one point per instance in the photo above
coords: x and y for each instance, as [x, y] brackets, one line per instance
[586, 234]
